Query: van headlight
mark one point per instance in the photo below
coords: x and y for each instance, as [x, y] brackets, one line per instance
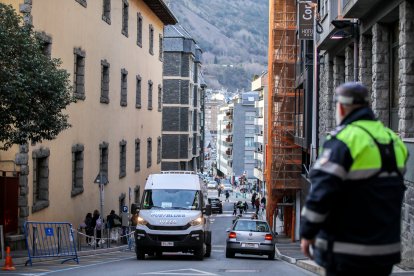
[197, 221]
[141, 221]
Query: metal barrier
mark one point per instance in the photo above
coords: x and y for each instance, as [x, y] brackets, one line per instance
[1, 242]
[50, 240]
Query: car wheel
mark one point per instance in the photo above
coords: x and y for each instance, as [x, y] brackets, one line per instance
[271, 256]
[140, 255]
[229, 254]
[221, 211]
[199, 253]
[208, 251]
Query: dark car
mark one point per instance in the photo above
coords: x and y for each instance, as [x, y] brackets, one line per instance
[216, 205]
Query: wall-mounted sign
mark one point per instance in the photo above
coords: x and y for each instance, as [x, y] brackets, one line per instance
[306, 20]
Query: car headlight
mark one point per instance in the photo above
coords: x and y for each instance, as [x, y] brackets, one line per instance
[141, 221]
[197, 221]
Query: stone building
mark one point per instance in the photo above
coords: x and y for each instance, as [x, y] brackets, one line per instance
[113, 52]
[182, 101]
[385, 63]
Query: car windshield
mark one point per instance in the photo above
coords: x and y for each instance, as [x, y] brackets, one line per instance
[213, 200]
[252, 226]
[171, 199]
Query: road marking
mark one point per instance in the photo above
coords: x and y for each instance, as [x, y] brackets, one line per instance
[190, 271]
[84, 266]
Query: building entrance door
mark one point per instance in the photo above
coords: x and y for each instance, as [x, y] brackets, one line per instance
[9, 189]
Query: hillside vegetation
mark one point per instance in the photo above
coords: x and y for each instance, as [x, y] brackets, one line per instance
[233, 35]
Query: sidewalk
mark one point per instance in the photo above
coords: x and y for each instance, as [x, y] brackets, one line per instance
[290, 252]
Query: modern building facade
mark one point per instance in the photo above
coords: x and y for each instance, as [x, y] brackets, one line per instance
[116, 125]
[235, 137]
[384, 63]
[260, 138]
[182, 101]
[225, 140]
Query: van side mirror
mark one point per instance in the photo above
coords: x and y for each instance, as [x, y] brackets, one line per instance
[134, 208]
[207, 210]
[228, 230]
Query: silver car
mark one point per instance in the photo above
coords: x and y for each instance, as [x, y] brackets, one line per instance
[249, 236]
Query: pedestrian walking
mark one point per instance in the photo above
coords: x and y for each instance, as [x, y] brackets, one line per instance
[97, 224]
[234, 209]
[352, 215]
[88, 228]
[257, 205]
[227, 196]
[114, 222]
[254, 199]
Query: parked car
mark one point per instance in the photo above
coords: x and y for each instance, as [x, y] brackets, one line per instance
[216, 205]
[228, 187]
[250, 237]
[212, 185]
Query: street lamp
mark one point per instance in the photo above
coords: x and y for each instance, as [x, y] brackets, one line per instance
[102, 180]
[348, 28]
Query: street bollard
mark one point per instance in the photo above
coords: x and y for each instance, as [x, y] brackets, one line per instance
[108, 241]
[78, 239]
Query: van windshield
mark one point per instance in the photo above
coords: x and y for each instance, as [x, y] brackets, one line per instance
[171, 200]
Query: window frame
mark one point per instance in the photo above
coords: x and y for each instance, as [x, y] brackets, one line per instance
[40, 159]
[138, 92]
[159, 98]
[122, 158]
[105, 79]
[151, 39]
[140, 21]
[106, 11]
[79, 73]
[150, 92]
[137, 155]
[124, 88]
[77, 188]
[125, 17]
[158, 150]
[149, 152]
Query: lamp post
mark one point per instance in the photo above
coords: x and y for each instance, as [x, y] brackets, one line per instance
[352, 25]
[102, 180]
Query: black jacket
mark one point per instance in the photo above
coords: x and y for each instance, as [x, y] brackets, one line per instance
[352, 220]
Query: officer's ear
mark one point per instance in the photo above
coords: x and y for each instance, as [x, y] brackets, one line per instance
[342, 110]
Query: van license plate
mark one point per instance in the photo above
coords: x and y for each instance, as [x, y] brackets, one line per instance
[167, 244]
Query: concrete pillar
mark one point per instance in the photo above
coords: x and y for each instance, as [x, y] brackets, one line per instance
[380, 72]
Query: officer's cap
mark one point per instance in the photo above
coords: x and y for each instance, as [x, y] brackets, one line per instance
[352, 93]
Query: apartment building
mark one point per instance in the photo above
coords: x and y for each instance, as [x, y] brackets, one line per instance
[183, 100]
[260, 138]
[113, 51]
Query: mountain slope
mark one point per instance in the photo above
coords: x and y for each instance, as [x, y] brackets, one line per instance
[232, 34]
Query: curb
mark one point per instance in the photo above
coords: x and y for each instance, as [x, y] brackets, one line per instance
[22, 260]
[284, 257]
[310, 266]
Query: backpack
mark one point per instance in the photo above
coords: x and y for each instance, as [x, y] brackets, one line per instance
[99, 224]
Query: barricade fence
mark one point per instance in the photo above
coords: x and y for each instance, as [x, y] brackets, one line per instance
[108, 236]
[50, 240]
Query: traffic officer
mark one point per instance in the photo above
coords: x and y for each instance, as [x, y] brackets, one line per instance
[352, 215]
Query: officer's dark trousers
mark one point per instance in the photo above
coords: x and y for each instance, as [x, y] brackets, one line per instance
[344, 271]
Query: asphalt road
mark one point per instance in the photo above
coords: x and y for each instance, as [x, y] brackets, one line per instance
[125, 263]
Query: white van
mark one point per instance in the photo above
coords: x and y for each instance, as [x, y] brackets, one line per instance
[173, 216]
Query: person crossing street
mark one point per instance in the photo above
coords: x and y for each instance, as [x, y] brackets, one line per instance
[352, 215]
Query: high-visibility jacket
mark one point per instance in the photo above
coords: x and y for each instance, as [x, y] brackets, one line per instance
[353, 210]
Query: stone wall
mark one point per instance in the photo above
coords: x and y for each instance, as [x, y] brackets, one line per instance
[380, 72]
[365, 61]
[326, 105]
[406, 124]
[349, 64]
